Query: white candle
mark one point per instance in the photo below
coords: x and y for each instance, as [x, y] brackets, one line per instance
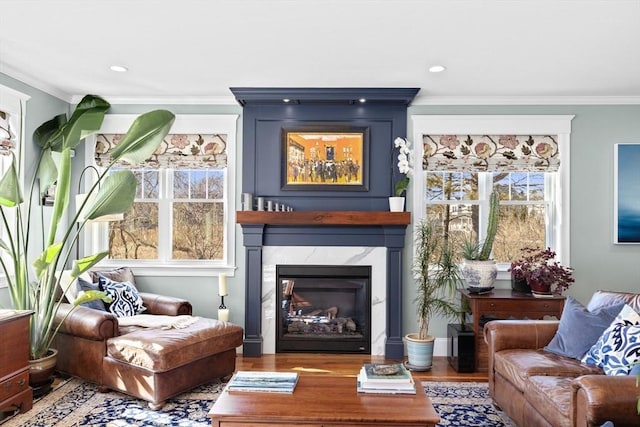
[222, 285]
[223, 314]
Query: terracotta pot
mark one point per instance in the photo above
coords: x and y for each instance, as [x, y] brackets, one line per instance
[41, 373]
[539, 288]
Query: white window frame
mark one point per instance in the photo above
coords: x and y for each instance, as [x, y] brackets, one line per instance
[14, 103]
[94, 236]
[559, 125]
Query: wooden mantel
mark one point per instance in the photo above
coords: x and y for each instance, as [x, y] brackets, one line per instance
[324, 218]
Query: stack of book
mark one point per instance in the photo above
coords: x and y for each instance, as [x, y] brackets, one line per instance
[271, 382]
[385, 378]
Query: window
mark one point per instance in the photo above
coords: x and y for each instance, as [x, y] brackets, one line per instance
[465, 158]
[12, 115]
[183, 214]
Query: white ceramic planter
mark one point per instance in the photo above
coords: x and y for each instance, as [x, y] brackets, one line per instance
[396, 204]
[480, 274]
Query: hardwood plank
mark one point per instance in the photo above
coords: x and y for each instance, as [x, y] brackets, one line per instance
[345, 365]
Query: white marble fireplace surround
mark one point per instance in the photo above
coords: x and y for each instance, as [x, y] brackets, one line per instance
[376, 257]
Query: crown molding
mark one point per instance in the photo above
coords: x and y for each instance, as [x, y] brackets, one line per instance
[35, 83]
[525, 100]
[164, 100]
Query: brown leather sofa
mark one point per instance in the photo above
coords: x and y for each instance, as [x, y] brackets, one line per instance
[538, 388]
[153, 364]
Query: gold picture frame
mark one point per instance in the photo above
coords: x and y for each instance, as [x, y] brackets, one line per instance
[327, 157]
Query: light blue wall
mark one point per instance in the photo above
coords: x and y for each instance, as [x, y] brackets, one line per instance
[598, 263]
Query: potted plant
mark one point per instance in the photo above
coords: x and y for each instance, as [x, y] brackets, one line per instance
[479, 271]
[35, 255]
[541, 272]
[405, 168]
[436, 275]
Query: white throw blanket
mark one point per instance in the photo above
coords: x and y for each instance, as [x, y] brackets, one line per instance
[158, 321]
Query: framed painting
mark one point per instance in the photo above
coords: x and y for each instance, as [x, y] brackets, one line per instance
[627, 194]
[325, 157]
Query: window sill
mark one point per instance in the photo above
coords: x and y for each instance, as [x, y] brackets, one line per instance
[170, 269]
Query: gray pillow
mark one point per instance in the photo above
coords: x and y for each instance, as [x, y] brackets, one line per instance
[580, 328]
[83, 285]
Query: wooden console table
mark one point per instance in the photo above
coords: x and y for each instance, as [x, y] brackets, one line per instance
[15, 393]
[504, 304]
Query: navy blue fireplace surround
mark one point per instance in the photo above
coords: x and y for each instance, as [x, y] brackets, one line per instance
[265, 115]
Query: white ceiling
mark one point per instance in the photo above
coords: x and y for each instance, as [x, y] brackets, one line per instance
[518, 51]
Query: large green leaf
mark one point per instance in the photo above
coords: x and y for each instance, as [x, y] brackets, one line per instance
[10, 190]
[47, 135]
[144, 136]
[115, 195]
[44, 260]
[86, 296]
[84, 264]
[85, 120]
[63, 183]
[47, 172]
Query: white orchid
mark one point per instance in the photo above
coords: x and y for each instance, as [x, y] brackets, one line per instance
[405, 164]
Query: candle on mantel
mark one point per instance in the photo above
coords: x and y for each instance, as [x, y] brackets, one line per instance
[222, 285]
[223, 314]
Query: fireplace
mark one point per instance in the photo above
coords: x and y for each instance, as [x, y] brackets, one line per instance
[323, 308]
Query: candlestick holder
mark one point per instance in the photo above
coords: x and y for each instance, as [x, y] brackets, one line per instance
[223, 311]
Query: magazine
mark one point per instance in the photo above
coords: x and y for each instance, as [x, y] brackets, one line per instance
[386, 373]
[278, 382]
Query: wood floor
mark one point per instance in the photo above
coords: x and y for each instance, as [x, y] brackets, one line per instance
[345, 365]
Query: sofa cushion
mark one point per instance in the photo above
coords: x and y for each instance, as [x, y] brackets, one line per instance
[619, 346]
[518, 365]
[160, 350]
[122, 274]
[580, 328]
[551, 397]
[604, 298]
[125, 299]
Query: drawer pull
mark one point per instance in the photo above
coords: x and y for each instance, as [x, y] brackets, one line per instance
[22, 382]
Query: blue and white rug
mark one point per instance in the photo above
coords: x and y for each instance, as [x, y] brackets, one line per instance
[78, 403]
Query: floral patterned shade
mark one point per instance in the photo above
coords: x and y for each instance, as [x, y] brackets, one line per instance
[193, 151]
[7, 137]
[486, 153]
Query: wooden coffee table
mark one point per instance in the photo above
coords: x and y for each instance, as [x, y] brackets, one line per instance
[322, 401]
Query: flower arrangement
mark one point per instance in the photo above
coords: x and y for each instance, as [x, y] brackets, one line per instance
[540, 270]
[405, 164]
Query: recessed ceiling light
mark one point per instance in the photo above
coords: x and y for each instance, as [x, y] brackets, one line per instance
[118, 68]
[437, 69]
[286, 100]
[362, 100]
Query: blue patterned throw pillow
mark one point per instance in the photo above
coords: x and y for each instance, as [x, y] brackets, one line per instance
[619, 346]
[126, 300]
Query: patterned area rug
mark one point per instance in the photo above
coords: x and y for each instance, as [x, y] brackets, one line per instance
[77, 403]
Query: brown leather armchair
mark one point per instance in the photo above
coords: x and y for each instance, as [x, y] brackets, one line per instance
[149, 363]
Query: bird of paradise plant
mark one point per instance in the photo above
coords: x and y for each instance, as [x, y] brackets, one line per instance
[33, 284]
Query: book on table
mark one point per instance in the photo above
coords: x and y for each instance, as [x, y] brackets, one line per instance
[273, 382]
[385, 378]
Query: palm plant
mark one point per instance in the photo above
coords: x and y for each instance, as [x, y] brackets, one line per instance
[33, 284]
[437, 276]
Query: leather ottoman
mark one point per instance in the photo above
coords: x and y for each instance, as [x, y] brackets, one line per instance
[155, 364]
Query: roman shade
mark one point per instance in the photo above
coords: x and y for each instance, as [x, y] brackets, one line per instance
[489, 153]
[177, 151]
[7, 137]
